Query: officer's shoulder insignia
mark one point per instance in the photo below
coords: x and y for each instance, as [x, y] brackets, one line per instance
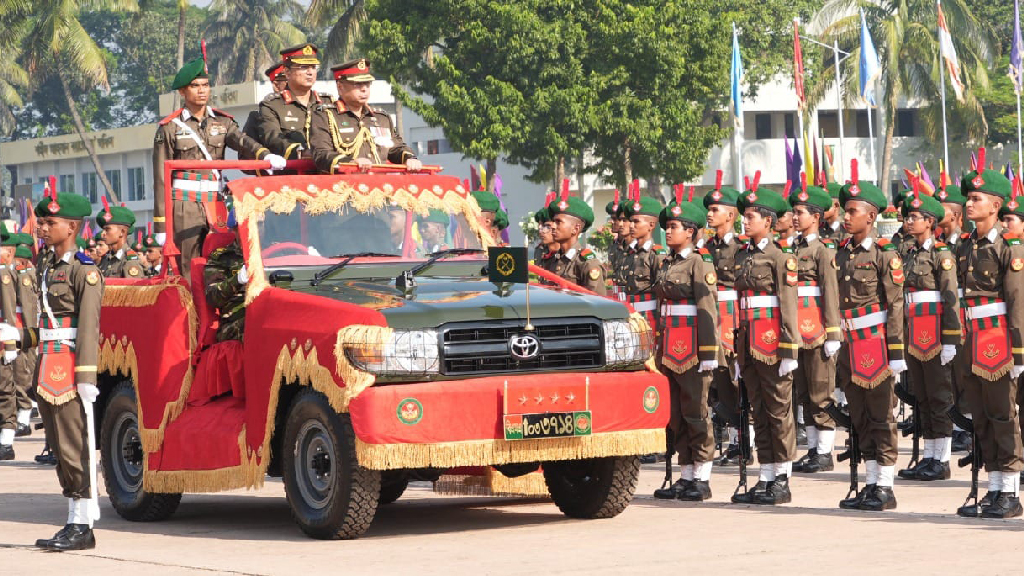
[706, 255]
[92, 277]
[791, 278]
[587, 254]
[220, 112]
[167, 119]
[947, 264]
[595, 273]
[786, 248]
[286, 95]
[83, 258]
[743, 238]
[782, 242]
[659, 249]
[1011, 238]
[942, 247]
[897, 276]
[339, 106]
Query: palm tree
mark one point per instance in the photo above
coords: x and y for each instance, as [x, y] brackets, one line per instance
[905, 35]
[56, 45]
[248, 34]
[345, 19]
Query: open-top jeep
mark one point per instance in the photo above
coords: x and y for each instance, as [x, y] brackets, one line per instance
[369, 358]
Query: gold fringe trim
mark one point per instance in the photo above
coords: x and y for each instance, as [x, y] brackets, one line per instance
[56, 400]
[493, 483]
[133, 296]
[356, 380]
[805, 345]
[492, 452]
[765, 358]
[193, 481]
[871, 384]
[923, 357]
[992, 376]
[679, 368]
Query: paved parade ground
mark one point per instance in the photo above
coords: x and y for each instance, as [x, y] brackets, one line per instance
[422, 533]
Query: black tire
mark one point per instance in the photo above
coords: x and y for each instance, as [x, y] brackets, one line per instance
[594, 488]
[392, 486]
[121, 457]
[331, 496]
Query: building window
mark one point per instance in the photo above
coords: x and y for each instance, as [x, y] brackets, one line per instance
[905, 123]
[114, 176]
[89, 188]
[827, 124]
[136, 186]
[790, 119]
[66, 183]
[762, 126]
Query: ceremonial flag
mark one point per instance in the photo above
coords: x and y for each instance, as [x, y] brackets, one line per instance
[1016, 70]
[869, 68]
[808, 161]
[737, 77]
[798, 67]
[949, 55]
[814, 150]
[795, 166]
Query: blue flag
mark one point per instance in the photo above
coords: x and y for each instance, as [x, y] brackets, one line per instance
[869, 68]
[796, 166]
[737, 76]
[1015, 49]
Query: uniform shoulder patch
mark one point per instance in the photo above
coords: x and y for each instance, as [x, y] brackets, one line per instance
[942, 247]
[286, 95]
[587, 254]
[786, 248]
[885, 244]
[83, 258]
[829, 243]
[659, 249]
[706, 255]
[223, 113]
[965, 235]
[1011, 238]
[171, 116]
[131, 255]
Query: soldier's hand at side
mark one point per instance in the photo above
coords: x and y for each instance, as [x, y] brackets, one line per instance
[707, 365]
[88, 392]
[413, 164]
[786, 366]
[9, 333]
[10, 356]
[947, 354]
[364, 164]
[243, 275]
[1016, 371]
[898, 366]
[831, 347]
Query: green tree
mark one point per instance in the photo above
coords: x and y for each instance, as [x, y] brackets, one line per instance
[247, 35]
[344, 20]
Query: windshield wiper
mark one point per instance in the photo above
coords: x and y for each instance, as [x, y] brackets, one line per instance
[434, 257]
[323, 274]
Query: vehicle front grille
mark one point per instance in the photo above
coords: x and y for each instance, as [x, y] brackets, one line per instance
[483, 347]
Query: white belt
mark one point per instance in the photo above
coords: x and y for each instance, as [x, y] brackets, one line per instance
[17, 309]
[808, 291]
[873, 319]
[196, 185]
[727, 296]
[648, 306]
[986, 311]
[924, 296]
[51, 334]
[759, 302]
[678, 310]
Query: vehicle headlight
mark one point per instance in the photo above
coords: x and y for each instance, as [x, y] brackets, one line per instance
[627, 342]
[405, 352]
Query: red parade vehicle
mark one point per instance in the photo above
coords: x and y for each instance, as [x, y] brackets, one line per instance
[375, 352]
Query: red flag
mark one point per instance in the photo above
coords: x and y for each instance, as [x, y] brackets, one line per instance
[798, 67]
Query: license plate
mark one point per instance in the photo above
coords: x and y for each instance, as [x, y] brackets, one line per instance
[548, 425]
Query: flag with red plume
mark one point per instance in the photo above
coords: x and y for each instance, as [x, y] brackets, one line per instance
[202, 47]
[803, 181]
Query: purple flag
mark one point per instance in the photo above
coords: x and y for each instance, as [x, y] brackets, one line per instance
[796, 165]
[1015, 49]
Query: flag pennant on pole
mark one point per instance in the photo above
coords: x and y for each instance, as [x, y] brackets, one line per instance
[948, 53]
[798, 67]
[737, 77]
[1015, 50]
[870, 70]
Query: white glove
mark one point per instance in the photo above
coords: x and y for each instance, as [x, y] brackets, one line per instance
[243, 275]
[9, 333]
[276, 162]
[1016, 371]
[707, 365]
[787, 365]
[88, 392]
[831, 348]
[735, 369]
[947, 354]
[898, 366]
[9, 356]
[160, 237]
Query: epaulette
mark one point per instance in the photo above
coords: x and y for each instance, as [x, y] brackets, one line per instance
[131, 255]
[587, 254]
[83, 258]
[659, 249]
[319, 98]
[171, 116]
[829, 243]
[942, 247]
[743, 238]
[20, 267]
[1011, 238]
[340, 106]
[706, 255]
[885, 244]
[286, 95]
[222, 113]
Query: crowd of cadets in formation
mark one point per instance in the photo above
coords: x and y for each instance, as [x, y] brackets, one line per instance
[805, 312]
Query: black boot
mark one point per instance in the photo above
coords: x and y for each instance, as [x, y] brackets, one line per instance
[751, 496]
[798, 466]
[974, 510]
[674, 491]
[77, 537]
[801, 435]
[47, 457]
[855, 502]
[6, 452]
[961, 441]
[820, 463]
[881, 498]
[45, 542]
[23, 430]
[777, 492]
[911, 473]
[935, 470]
[1005, 506]
[699, 491]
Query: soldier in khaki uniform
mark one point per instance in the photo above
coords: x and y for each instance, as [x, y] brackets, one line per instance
[615, 249]
[991, 268]
[545, 241]
[349, 130]
[570, 217]
[832, 226]
[26, 314]
[818, 311]
[767, 343]
[286, 116]
[932, 333]
[10, 397]
[871, 281]
[643, 258]
[120, 261]
[688, 345]
[251, 128]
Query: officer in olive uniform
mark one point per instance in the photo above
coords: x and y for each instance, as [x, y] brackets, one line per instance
[615, 248]
[226, 277]
[286, 117]
[349, 130]
[818, 309]
[768, 343]
[871, 281]
[251, 128]
[121, 261]
[688, 346]
[570, 217]
[26, 314]
[643, 257]
[195, 132]
[67, 336]
[932, 333]
[991, 268]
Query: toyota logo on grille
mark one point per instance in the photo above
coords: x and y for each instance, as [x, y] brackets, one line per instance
[524, 346]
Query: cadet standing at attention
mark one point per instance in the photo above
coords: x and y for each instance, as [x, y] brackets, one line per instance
[570, 217]
[26, 315]
[120, 261]
[641, 263]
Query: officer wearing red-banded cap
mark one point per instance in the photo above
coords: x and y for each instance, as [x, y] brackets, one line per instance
[349, 130]
[286, 117]
[252, 122]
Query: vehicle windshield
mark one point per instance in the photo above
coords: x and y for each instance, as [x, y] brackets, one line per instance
[304, 237]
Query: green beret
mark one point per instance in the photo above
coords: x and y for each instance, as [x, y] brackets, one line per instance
[833, 189]
[71, 206]
[23, 251]
[82, 243]
[4, 233]
[951, 194]
[686, 212]
[189, 72]
[98, 237]
[725, 196]
[541, 216]
[435, 215]
[989, 182]
[764, 198]
[645, 206]
[612, 208]
[924, 204]
[150, 242]
[572, 206]
[115, 215]
[864, 191]
[813, 196]
[501, 219]
[487, 201]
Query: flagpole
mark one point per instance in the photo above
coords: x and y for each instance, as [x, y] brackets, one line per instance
[737, 117]
[839, 108]
[871, 141]
[942, 83]
[1020, 162]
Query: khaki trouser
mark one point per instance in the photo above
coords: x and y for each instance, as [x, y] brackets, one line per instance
[871, 412]
[190, 229]
[24, 378]
[66, 436]
[933, 389]
[814, 381]
[691, 419]
[994, 413]
[8, 398]
[771, 406]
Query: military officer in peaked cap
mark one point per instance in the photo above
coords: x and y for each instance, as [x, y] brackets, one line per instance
[286, 117]
[279, 82]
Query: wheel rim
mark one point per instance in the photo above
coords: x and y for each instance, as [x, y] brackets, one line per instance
[315, 466]
[126, 447]
[581, 473]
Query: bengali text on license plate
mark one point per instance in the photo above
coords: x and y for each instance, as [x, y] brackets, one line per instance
[547, 425]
